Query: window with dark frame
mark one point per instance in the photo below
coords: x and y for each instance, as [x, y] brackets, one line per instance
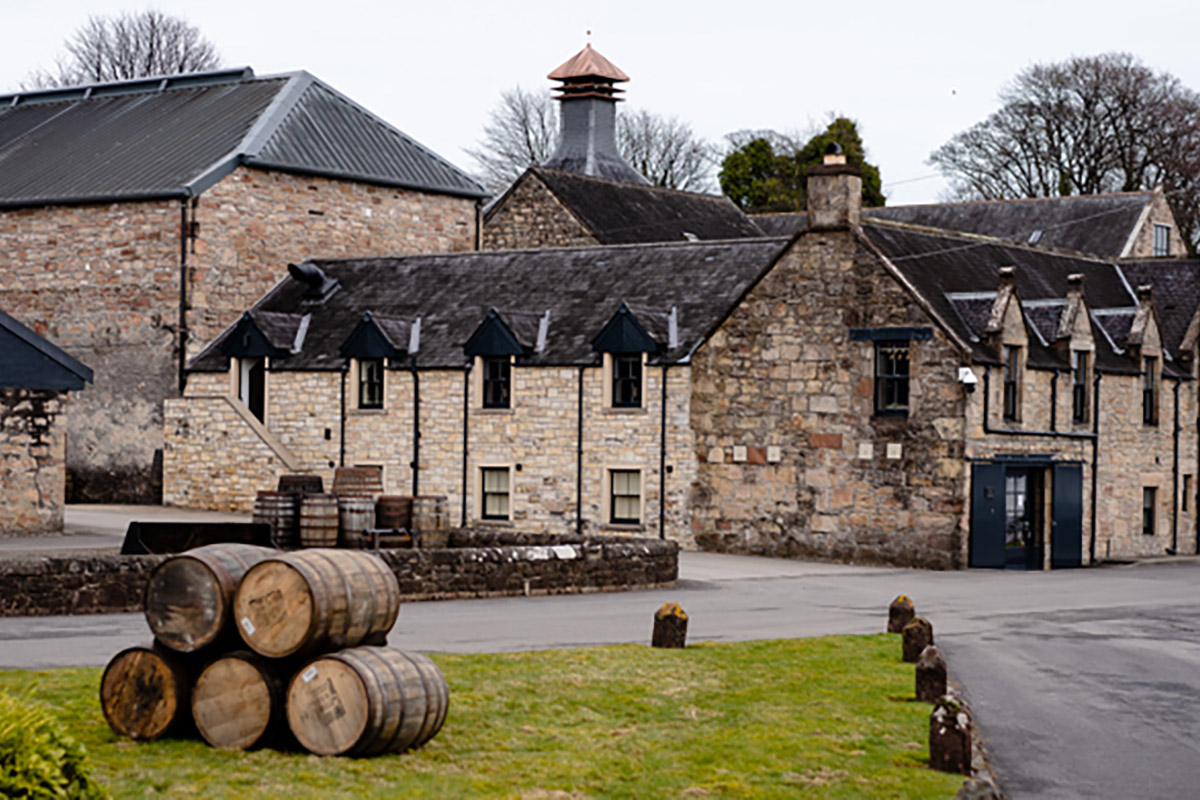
[626, 495]
[891, 377]
[1012, 383]
[497, 382]
[1079, 385]
[627, 380]
[1149, 390]
[370, 383]
[1187, 493]
[1162, 240]
[495, 492]
[1149, 499]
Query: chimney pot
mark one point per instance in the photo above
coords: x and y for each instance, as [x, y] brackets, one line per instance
[1144, 292]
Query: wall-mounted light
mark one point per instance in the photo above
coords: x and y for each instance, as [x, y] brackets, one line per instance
[966, 376]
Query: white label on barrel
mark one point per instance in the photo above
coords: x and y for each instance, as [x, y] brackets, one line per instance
[247, 626]
[309, 674]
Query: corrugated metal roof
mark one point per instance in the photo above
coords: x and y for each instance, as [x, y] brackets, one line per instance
[153, 138]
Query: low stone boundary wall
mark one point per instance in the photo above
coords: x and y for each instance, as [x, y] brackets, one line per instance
[477, 564]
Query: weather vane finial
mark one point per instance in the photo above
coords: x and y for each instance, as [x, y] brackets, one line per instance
[589, 37]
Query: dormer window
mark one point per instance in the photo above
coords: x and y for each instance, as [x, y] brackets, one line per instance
[1012, 383]
[497, 382]
[370, 383]
[627, 380]
[1080, 376]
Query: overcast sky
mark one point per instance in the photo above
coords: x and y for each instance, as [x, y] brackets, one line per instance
[912, 73]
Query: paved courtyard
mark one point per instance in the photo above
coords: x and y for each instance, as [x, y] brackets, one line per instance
[1085, 683]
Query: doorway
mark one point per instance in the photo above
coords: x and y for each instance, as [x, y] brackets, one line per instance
[1009, 514]
[1023, 518]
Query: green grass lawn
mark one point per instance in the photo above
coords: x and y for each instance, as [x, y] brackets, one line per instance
[831, 717]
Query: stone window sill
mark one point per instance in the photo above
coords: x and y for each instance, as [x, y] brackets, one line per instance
[366, 412]
[495, 523]
[496, 411]
[624, 527]
[639, 411]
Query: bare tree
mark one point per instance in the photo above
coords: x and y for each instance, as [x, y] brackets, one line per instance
[130, 45]
[523, 131]
[1083, 126]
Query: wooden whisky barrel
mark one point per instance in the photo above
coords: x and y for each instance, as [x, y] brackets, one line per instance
[278, 510]
[238, 701]
[366, 701]
[189, 597]
[301, 484]
[356, 513]
[319, 520]
[358, 480]
[315, 600]
[144, 692]
[394, 511]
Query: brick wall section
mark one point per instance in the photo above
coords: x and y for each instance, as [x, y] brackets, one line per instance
[32, 461]
[477, 566]
[214, 460]
[782, 372]
[103, 282]
[531, 216]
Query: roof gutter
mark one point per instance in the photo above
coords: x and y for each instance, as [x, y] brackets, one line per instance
[96, 199]
[375, 180]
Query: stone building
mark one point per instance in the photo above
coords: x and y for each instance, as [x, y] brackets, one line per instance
[35, 377]
[867, 391]
[140, 218]
[586, 194]
[1119, 225]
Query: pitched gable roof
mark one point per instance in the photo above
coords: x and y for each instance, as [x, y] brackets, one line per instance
[1176, 283]
[28, 361]
[1100, 224]
[581, 288]
[176, 136]
[616, 212]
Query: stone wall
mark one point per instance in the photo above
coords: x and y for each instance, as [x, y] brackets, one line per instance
[531, 216]
[1160, 212]
[102, 280]
[782, 378]
[32, 461]
[495, 566]
[214, 460]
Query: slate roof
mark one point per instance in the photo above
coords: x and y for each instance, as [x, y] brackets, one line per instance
[1176, 283]
[178, 135]
[581, 287]
[1099, 224]
[28, 361]
[958, 276]
[617, 212]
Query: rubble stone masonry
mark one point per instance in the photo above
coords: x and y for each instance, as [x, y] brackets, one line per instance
[32, 471]
[781, 377]
[103, 281]
[531, 216]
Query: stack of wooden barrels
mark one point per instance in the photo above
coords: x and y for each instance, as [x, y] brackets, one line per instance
[253, 647]
[302, 515]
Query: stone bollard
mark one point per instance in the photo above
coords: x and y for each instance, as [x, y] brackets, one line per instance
[931, 675]
[918, 635]
[900, 613]
[950, 736]
[670, 627]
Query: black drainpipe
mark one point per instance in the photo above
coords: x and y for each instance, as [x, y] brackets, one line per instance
[1095, 462]
[466, 433]
[1054, 401]
[478, 224]
[1175, 429]
[416, 459]
[579, 460]
[342, 435]
[662, 460]
[183, 293]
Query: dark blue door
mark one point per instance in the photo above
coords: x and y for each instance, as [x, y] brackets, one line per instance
[987, 516]
[1066, 542]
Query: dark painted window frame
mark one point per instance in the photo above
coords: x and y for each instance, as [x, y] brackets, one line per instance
[371, 386]
[1012, 383]
[627, 388]
[613, 519]
[1149, 510]
[1150, 390]
[1081, 370]
[497, 382]
[892, 385]
[484, 494]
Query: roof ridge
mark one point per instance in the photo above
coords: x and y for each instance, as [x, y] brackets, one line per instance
[1019, 199]
[152, 83]
[644, 186]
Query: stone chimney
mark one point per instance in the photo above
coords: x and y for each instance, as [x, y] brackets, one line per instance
[588, 143]
[834, 193]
